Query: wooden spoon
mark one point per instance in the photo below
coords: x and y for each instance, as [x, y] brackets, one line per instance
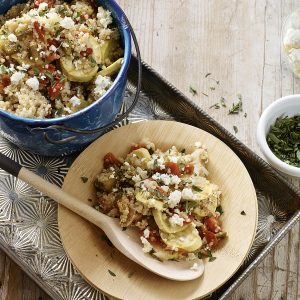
[127, 242]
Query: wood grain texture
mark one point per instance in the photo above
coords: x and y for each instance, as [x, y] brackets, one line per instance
[238, 41]
[93, 258]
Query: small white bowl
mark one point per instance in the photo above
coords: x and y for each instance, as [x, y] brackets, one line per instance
[286, 106]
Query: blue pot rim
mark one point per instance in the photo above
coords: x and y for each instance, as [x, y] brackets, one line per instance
[115, 8]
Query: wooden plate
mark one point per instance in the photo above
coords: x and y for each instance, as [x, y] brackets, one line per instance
[95, 259]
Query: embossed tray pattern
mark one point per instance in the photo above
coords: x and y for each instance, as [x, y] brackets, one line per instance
[29, 233]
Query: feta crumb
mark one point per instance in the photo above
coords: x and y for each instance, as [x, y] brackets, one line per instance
[52, 48]
[174, 198]
[187, 194]
[147, 246]
[136, 178]
[12, 38]
[165, 188]
[75, 101]
[33, 83]
[67, 23]
[24, 67]
[146, 233]
[173, 159]
[194, 267]
[165, 178]
[43, 6]
[104, 17]
[176, 220]
[102, 83]
[175, 179]
[17, 77]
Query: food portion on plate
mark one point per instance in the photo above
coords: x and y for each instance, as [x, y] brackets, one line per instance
[165, 195]
[56, 57]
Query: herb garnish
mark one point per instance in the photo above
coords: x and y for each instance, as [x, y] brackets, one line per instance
[190, 205]
[237, 107]
[84, 179]
[208, 74]
[284, 139]
[212, 88]
[243, 213]
[196, 189]
[49, 75]
[130, 274]
[112, 273]
[211, 257]
[222, 101]
[236, 130]
[93, 62]
[204, 94]
[215, 106]
[220, 210]
[182, 150]
[193, 91]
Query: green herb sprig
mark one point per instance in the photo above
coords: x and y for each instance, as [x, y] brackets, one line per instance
[284, 139]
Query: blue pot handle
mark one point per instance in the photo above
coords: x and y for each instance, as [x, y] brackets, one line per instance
[118, 119]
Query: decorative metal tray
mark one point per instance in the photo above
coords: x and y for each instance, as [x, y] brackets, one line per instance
[29, 232]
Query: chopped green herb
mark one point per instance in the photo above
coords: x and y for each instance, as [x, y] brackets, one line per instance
[204, 94]
[107, 240]
[215, 106]
[193, 91]
[208, 74]
[112, 273]
[196, 189]
[243, 213]
[236, 107]
[49, 75]
[219, 209]
[182, 151]
[212, 258]
[130, 274]
[222, 101]
[190, 205]
[93, 62]
[212, 88]
[36, 71]
[151, 151]
[284, 139]
[84, 179]
[236, 130]
[245, 115]
[155, 162]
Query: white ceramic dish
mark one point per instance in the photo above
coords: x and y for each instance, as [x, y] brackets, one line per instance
[286, 106]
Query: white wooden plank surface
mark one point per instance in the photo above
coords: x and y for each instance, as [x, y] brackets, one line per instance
[238, 41]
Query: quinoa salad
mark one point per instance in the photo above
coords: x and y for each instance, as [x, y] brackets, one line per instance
[165, 195]
[56, 57]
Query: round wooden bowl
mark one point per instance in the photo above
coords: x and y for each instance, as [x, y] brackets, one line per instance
[98, 262]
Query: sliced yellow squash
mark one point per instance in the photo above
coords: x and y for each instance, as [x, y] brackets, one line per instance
[188, 239]
[164, 255]
[163, 223]
[77, 75]
[150, 203]
[113, 68]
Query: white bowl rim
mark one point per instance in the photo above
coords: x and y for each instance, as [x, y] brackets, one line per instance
[261, 137]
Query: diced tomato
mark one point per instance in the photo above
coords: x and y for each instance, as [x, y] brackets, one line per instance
[38, 2]
[53, 42]
[52, 57]
[40, 30]
[110, 160]
[87, 52]
[137, 146]
[211, 238]
[154, 238]
[55, 90]
[212, 224]
[50, 68]
[173, 168]
[189, 169]
[6, 80]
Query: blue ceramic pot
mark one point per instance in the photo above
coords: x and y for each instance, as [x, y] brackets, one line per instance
[29, 134]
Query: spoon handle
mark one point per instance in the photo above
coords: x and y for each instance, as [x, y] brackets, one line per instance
[53, 191]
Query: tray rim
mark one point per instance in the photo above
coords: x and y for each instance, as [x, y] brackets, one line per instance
[276, 238]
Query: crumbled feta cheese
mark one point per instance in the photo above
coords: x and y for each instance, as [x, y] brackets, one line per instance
[52, 48]
[103, 17]
[43, 6]
[165, 178]
[176, 220]
[33, 83]
[165, 188]
[175, 179]
[187, 194]
[174, 198]
[194, 267]
[68, 110]
[147, 246]
[12, 38]
[17, 77]
[146, 233]
[142, 173]
[67, 23]
[24, 67]
[102, 84]
[75, 101]
[173, 159]
[136, 178]
[43, 77]
[126, 163]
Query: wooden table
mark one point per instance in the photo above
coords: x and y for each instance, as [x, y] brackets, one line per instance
[238, 42]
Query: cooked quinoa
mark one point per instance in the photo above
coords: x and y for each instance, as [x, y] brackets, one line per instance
[167, 196]
[56, 57]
